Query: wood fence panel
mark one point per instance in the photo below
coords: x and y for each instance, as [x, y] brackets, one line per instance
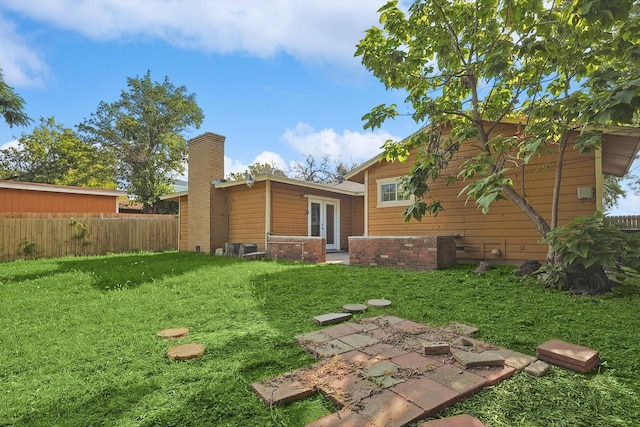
[26, 236]
[626, 222]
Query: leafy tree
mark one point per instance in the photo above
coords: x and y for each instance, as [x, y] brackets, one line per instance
[143, 131]
[53, 154]
[466, 66]
[12, 105]
[613, 191]
[257, 169]
[341, 169]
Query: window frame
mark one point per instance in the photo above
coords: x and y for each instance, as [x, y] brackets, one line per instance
[397, 181]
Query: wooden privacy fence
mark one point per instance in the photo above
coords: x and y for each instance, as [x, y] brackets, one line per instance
[24, 236]
[626, 222]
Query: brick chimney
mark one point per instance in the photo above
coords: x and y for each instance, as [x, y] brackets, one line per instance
[207, 208]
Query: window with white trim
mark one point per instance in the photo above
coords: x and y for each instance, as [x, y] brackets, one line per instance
[391, 193]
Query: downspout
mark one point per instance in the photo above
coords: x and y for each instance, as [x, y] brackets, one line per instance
[366, 202]
[267, 214]
[599, 180]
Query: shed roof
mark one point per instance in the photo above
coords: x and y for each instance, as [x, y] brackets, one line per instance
[51, 188]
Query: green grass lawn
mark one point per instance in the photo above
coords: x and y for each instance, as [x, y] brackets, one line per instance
[78, 344]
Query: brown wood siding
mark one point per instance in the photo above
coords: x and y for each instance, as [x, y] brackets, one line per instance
[357, 215]
[184, 223]
[290, 205]
[16, 200]
[247, 214]
[504, 227]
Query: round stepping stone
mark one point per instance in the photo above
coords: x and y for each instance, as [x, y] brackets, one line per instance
[173, 333]
[354, 308]
[185, 352]
[379, 303]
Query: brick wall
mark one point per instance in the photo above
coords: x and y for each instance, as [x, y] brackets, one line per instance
[415, 253]
[207, 206]
[297, 248]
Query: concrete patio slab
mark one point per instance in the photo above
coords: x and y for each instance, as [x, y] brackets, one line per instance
[358, 340]
[282, 390]
[339, 331]
[494, 374]
[345, 417]
[331, 348]
[346, 390]
[316, 337]
[382, 351]
[463, 420]
[387, 409]
[515, 359]
[459, 380]
[417, 362]
[438, 398]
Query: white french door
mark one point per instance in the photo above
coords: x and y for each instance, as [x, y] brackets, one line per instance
[324, 221]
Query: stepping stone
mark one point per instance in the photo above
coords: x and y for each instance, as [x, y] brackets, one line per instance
[185, 352]
[379, 303]
[331, 318]
[438, 347]
[571, 356]
[486, 358]
[354, 308]
[538, 369]
[173, 333]
[462, 420]
[280, 391]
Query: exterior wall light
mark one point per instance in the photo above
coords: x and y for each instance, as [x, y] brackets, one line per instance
[250, 181]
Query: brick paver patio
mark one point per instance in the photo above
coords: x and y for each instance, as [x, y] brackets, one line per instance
[379, 372]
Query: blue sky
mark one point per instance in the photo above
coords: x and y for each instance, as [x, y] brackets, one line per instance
[276, 77]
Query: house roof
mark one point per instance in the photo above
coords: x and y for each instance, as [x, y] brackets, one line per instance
[32, 186]
[349, 188]
[619, 149]
[345, 187]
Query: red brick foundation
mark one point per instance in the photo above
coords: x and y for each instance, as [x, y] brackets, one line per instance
[414, 253]
[297, 248]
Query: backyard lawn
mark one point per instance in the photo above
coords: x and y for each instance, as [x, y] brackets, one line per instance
[78, 343]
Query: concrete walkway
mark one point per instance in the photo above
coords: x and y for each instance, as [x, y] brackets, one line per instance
[341, 257]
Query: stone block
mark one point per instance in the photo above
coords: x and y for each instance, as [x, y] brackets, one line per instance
[331, 318]
[571, 356]
[537, 369]
[438, 347]
[486, 358]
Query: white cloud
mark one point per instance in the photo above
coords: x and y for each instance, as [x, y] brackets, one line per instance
[315, 31]
[10, 144]
[271, 158]
[349, 146]
[21, 65]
